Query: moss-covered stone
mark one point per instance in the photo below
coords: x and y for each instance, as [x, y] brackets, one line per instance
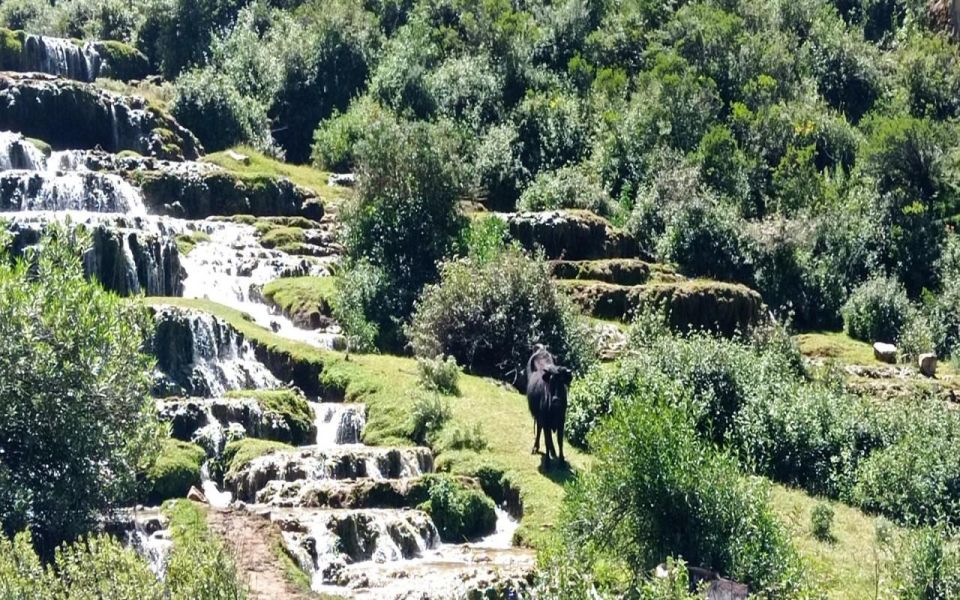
[122, 61]
[204, 194]
[176, 469]
[188, 241]
[696, 304]
[571, 235]
[239, 453]
[40, 145]
[71, 114]
[288, 405]
[307, 301]
[621, 271]
[460, 512]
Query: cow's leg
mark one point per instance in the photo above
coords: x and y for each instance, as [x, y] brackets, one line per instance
[560, 444]
[548, 438]
[536, 438]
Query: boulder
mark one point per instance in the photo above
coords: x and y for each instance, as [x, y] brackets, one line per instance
[196, 495]
[885, 352]
[74, 115]
[928, 364]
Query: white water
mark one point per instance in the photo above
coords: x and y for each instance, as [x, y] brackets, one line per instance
[215, 497]
[232, 266]
[338, 423]
[61, 57]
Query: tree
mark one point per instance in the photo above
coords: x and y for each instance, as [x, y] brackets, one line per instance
[76, 421]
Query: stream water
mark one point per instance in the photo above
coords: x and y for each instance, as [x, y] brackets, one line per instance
[316, 493]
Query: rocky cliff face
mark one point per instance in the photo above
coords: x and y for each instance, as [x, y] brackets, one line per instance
[70, 114]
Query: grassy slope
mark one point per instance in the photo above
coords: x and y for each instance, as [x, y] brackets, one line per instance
[387, 385]
[300, 294]
[838, 346]
[846, 566]
[261, 164]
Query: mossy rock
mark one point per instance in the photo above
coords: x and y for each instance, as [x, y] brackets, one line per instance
[571, 235]
[289, 406]
[175, 471]
[122, 61]
[219, 193]
[459, 511]
[11, 49]
[186, 242]
[725, 308]
[40, 145]
[307, 301]
[621, 271]
[239, 453]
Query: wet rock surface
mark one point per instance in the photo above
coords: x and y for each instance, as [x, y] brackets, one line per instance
[211, 422]
[71, 114]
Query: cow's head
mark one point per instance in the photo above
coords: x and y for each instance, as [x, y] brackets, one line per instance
[558, 380]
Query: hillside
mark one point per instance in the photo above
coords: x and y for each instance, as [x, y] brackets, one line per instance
[277, 275]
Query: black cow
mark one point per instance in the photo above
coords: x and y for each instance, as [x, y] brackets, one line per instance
[547, 385]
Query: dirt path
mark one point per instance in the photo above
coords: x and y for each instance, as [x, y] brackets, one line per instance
[253, 541]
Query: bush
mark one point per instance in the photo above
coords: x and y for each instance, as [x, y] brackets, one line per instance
[405, 216]
[569, 187]
[199, 565]
[703, 238]
[460, 513]
[428, 415]
[821, 522]
[876, 311]
[927, 565]
[211, 107]
[335, 139]
[359, 290]
[488, 316]
[652, 477]
[461, 437]
[499, 173]
[175, 471]
[74, 393]
[551, 131]
[486, 238]
[439, 375]
[468, 89]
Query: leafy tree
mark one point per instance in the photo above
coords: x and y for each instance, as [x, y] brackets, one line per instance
[76, 421]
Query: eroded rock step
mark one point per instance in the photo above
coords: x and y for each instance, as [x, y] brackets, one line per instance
[337, 462]
[620, 271]
[359, 493]
[570, 235]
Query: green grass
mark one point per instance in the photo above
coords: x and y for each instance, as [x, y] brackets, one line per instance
[281, 236]
[301, 295]
[847, 567]
[837, 346]
[261, 164]
[186, 242]
[388, 386]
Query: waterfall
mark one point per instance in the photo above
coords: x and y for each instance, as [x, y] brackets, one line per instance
[16, 152]
[338, 423]
[78, 191]
[201, 355]
[60, 57]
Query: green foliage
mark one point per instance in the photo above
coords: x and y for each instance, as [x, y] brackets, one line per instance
[439, 374]
[356, 300]
[486, 238]
[488, 315]
[92, 567]
[404, 218]
[199, 565]
[930, 72]
[175, 471]
[209, 105]
[459, 437]
[11, 49]
[460, 513]
[651, 478]
[75, 394]
[336, 139]
[551, 131]
[569, 187]
[428, 415]
[500, 174]
[876, 311]
[123, 62]
[928, 565]
[821, 522]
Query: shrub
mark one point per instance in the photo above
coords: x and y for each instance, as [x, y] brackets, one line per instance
[489, 315]
[439, 375]
[468, 89]
[335, 139]
[405, 217]
[569, 187]
[209, 105]
[928, 565]
[821, 521]
[74, 393]
[359, 288]
[460, 437]
[917, 336]
[551, 131]
[175, 471]
[704, 239]
[876, 311]
[499, 173]
[486, 238]
[460, 513]
[652, 477]
[428, 415]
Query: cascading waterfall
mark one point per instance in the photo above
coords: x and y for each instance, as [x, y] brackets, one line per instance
[61, 57]
[338, 423]
[16, 152]
[77, 191]
[201, 355]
